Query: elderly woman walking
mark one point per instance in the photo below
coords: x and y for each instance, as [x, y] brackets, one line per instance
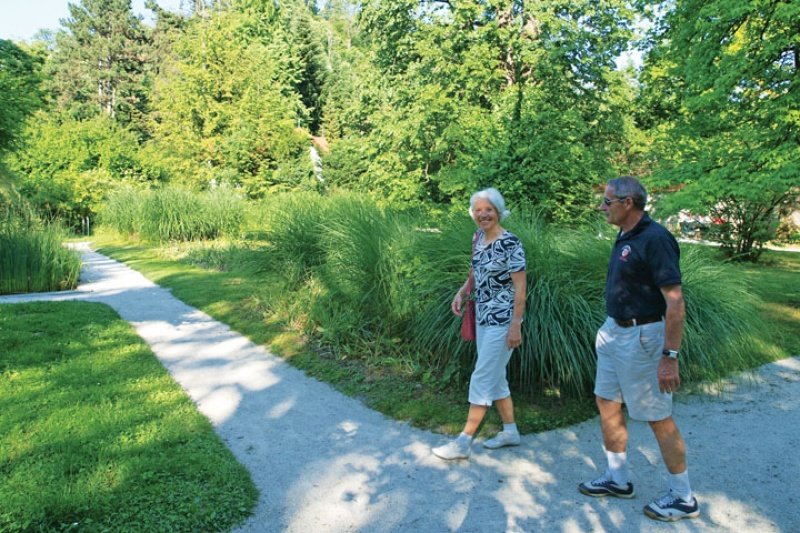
[498, 266]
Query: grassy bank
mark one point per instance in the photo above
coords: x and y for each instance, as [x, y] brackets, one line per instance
[97, 437]
[359, 297]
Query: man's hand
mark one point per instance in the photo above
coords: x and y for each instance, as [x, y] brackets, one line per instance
[669, 379]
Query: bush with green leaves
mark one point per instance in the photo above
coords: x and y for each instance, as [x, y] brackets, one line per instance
[68, 166]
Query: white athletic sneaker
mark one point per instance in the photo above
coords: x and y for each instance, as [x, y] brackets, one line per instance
[605, 486]
[504, 438]
[670, 508]
[453, 450]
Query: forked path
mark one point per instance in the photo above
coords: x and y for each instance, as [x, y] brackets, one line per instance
[324, 462]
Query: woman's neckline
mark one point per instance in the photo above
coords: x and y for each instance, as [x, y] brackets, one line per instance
[487, 242]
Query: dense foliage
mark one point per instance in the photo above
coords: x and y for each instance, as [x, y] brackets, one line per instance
[414, 103]
[408, 102]
[722, 84]
[375, 283]
[19, 91]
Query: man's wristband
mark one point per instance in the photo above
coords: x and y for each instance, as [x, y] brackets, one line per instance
[672, 354]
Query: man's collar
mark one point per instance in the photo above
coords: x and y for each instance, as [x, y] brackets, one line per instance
[643, 222]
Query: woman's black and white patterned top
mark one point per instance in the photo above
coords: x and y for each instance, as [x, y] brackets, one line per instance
[493, 265]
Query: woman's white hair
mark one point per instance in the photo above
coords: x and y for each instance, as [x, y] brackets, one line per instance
[494, 197]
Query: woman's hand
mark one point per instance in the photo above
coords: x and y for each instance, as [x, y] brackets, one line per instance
[456, 304]
[514, 337]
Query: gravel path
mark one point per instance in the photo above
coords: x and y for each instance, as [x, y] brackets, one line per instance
[324, 462]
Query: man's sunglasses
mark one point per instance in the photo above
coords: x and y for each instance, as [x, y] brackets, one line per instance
[609, 201]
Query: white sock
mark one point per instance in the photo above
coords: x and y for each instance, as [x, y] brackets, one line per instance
[618, 467]
[463, 438]
[679, 485]
[511, 428]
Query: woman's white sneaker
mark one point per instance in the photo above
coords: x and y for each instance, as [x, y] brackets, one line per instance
[455, 449]
[504, 438]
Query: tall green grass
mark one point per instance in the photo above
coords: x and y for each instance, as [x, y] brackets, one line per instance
[724, 331]
[373, 274]
[123, 212]
[293, 225]
[376, 284]
[32, 256]
[174, 214]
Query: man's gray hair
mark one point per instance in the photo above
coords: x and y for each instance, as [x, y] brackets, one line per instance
[629, 187]
[494, 197]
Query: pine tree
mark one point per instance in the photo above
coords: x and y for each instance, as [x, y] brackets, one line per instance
[99, 62]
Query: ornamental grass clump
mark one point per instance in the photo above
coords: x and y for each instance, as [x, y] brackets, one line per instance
[122, 211]
[565, 307]
[339, 253]
[174, 214]
[361, 264]
[223, 212]
[293, 225]
[724, 333]
[32, 256]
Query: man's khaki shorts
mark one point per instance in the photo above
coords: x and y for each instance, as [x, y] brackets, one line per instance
[627, 369]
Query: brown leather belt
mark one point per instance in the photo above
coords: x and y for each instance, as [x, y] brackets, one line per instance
[629, 323]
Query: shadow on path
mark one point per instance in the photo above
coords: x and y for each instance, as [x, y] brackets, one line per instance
[325, 462]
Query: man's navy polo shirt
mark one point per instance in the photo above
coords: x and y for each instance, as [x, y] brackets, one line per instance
[642, 261]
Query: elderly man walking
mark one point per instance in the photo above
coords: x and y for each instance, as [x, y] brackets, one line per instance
[637, 350]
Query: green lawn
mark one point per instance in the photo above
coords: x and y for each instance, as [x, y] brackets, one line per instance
[96, 436]
[777, 282]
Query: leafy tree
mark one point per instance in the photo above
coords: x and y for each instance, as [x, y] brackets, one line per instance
[729, 136]
[224, 109]
[305, 46]
[68, 166]
[20, 94]
[520, 96]
[167, 29]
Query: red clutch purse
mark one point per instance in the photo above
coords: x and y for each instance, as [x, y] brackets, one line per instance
[468, 321]
[468, 315]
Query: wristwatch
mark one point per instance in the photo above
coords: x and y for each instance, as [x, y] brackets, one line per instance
[672, 354]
